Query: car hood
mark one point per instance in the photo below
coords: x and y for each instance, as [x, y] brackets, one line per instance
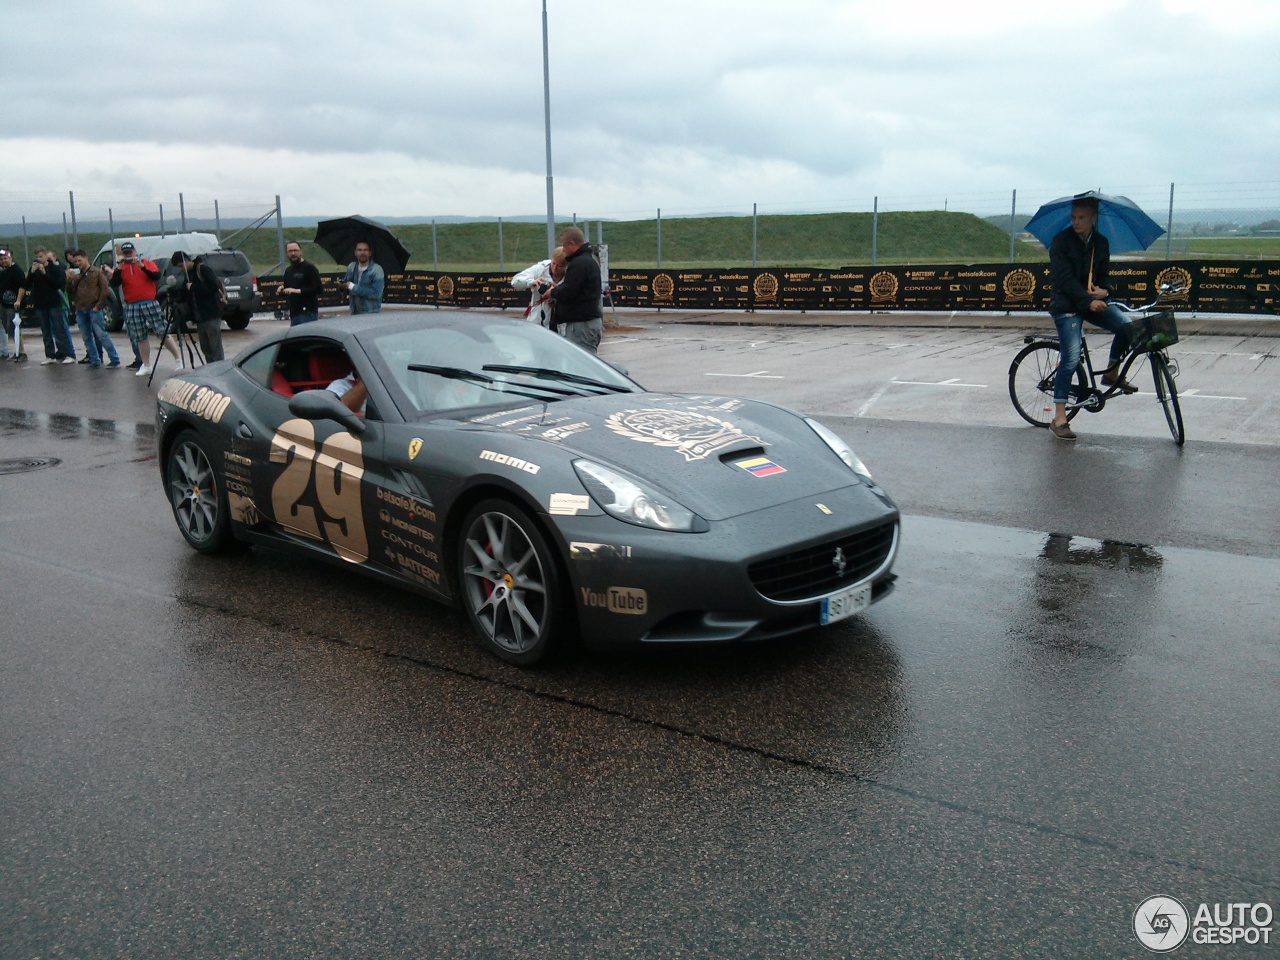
[719, 456]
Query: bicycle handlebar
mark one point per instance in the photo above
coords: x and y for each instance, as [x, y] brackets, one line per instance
[1166, 289]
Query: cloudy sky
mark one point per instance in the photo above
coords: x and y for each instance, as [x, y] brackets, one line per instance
[429, 108]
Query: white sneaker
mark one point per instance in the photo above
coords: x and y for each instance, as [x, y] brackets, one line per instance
[143, 371]
[180, 366]
[68, 359]
[48, 360]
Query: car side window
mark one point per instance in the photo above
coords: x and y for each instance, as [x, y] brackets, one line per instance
[258, 366]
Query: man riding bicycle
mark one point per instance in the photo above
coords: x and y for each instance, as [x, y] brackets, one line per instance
[1079, 268]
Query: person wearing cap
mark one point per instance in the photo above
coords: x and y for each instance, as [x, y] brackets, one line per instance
[364, 281]
[89, 290]
[47, 284]
[11, 280]
[136, 279]
[203, 291]
[301, 286]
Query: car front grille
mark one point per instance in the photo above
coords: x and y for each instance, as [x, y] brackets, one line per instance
[815, 571]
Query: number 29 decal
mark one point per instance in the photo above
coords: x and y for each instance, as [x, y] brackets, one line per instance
[338, 467]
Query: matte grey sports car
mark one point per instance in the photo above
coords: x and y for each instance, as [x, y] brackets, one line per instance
[498, 466]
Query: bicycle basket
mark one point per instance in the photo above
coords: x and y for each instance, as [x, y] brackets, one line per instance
[1155, 331]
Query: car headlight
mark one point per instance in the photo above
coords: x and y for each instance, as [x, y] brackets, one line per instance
[633, 501]
[840, 448]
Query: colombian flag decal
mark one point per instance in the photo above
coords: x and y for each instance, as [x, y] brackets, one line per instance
[761, 467]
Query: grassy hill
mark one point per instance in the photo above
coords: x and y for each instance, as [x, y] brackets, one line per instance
[823, 240]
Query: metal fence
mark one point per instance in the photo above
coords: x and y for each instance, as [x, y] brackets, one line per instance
[1230, 220]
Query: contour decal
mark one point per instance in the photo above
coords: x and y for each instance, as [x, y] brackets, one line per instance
[507, 461]
[567, 504]
[415, 447]
[693, 435]
[761, 467]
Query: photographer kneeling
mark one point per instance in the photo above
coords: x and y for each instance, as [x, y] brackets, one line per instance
[199, 296]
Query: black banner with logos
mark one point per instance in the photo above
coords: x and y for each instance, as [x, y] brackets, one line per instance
[1210, 286]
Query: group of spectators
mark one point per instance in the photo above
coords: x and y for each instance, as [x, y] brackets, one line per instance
[77, 292]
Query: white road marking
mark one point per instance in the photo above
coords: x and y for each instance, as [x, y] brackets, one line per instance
[953, 382]
[862, 410]
[759, 375]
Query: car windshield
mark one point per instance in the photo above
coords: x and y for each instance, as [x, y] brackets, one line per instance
[439, 369]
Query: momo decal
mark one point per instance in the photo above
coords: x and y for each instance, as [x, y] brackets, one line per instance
[694, 436]
[505, 460]
[194, 399]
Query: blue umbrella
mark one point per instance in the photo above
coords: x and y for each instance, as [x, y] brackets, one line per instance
[1120, 220]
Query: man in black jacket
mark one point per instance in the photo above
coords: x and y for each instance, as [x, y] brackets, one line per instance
[11, 281]
[45, 284]
[203, 291]
[1079, 268]
[301, 286]
[579, 315]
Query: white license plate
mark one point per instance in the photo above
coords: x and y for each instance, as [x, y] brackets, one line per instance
[233, 294]
[846, 603]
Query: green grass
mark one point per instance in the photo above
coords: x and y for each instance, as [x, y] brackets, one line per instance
[813, 240]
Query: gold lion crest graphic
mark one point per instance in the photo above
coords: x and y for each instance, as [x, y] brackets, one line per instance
[884, 286]
[1177, 278]
[663, 287]
[693, 435]
[444, 288]
[765, 287]
[1019, 285]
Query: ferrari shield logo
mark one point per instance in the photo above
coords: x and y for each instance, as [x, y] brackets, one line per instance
[414, 446]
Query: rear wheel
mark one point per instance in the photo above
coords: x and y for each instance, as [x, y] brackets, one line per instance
[197, 496]
[509, 583]
[239, 320]
[1167, 394]
[1031, 383]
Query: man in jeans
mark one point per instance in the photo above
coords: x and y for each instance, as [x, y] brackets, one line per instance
[1079, 268]
[365, 281]
[11, 281]
[136, 279]
[46, 283]
[301, 286]
[88, 290]
[578, 297]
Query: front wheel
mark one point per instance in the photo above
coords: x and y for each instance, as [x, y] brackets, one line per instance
[1031, 383]
[197, 496]
[510, 584]
[239, 320]
[1167, 394]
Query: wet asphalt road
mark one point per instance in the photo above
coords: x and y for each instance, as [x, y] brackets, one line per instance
[1069, 705]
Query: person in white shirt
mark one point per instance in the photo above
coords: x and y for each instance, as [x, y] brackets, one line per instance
[539, 278]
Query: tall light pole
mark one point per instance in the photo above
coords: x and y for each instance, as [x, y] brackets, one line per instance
[546, 107]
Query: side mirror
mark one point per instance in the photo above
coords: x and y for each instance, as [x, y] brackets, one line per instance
[323, 405]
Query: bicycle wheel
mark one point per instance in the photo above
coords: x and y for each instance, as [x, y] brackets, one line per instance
[1031, 383]
[1167, 394]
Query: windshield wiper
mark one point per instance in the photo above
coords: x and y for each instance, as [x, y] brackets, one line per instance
[548, 373]
[488, 383]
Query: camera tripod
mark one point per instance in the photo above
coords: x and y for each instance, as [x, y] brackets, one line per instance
[184, 336]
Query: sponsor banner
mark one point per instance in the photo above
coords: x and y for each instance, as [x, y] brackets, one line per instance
[1213, 286]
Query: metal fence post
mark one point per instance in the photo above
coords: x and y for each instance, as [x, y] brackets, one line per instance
[435, 253]
[75, 232]
[659, 238]
[111, 225]
[875, 228]
[182, 212]
[1168, 234]
[66, 240]
[753, 236]
[502, 261]
[26, 250]
[1013, 213]
[162, 233]
[279, 235]
[217, 223]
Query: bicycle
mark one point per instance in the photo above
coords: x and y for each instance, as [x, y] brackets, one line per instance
[1151, 332]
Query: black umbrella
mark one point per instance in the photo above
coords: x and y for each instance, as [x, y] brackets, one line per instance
[338, 238]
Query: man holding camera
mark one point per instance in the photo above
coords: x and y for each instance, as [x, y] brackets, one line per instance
[46, 283]
[539, 278]
[201, 291]
[136, 279]
[11, 280]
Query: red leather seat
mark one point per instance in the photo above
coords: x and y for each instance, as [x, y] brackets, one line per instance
[280, 384]
[327, 365]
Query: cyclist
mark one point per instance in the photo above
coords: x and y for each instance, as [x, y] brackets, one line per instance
[1079, 268]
